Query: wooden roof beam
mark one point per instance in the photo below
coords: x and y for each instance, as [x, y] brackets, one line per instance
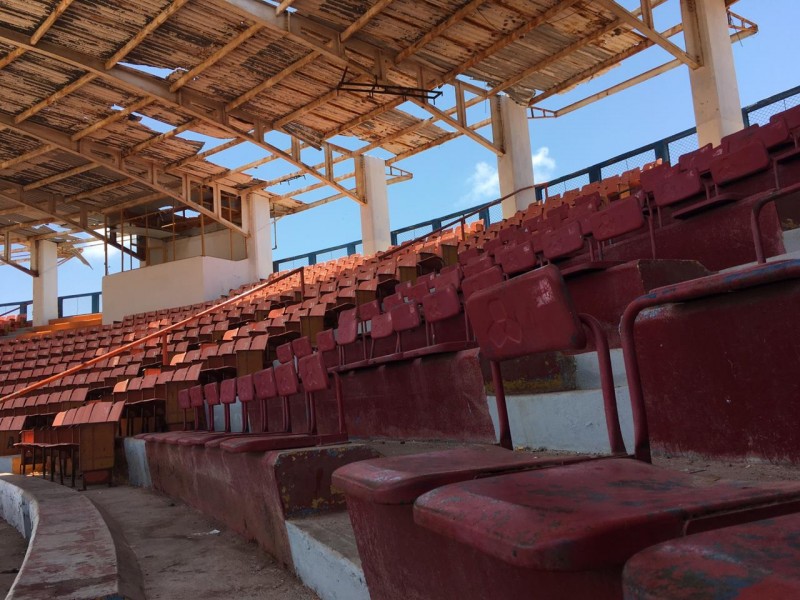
[112, 118]
[649, 74]
[651, 34]
[157, 139]
[11, 57]
[111, 159]
[460, 127]
[215, 57]
[57, 11]
[109, 187]
[283, 6]
[19, 267]
[128, 47]
[22, 201]
[428, 37]
[26, 156]
[363, 19]
[55, 97]
[509, 39]
[59, 176]
[208, 110]
[272, 81]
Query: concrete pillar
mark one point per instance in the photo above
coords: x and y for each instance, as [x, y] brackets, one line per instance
[375, 231]
[257, 221]
[514, 168]
[715, 92]
[44, 259]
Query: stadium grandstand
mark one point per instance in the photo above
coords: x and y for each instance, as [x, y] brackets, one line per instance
[542, 396]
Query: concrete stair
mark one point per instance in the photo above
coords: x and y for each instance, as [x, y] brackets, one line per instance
[570, 421]
[326, 557]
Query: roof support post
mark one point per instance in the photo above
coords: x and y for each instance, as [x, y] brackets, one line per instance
[715, 91]
[44, 258]
[371, 180]
[256, 220]
[514, 166]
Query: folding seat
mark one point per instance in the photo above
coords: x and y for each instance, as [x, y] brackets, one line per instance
[517, 258]
[621, 218]
[481, 280]
[381, 492]
[567, 531]
[755, 560]
[482, 263]
[564, 241]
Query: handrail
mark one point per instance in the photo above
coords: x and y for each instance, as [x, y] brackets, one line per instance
[462, 219]
[10, 310]
[160, 333]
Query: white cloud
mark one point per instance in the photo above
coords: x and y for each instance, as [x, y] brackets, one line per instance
[544, 165]
[484, 183]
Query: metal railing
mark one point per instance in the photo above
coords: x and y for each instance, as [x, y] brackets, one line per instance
[668, 149]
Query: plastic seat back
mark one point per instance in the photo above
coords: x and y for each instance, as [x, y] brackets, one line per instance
[441, 304]
[286, 379]
[623, 216]
[264, 384]
[313, 373]
[529, 314]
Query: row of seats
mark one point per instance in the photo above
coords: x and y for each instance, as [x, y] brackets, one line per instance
[474, 523]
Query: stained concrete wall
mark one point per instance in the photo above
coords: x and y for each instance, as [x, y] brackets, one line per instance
[178, 283]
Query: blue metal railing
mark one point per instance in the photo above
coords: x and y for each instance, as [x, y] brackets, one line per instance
[668, 149]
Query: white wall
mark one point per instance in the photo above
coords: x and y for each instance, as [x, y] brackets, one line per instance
[177, 283]
[218, 244]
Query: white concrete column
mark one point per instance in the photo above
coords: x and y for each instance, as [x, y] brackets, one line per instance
[515, 167]
[44, 259]
[375, 231]
[715, 91]
[257, 221]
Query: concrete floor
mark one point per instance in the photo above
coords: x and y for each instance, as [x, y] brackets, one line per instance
[14, 547]
[183, 555]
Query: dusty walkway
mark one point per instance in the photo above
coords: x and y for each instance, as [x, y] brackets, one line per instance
[14, 547]
[183, 555]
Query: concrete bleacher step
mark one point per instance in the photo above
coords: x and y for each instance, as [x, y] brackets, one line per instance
[791, 240]
[74, 549]
[326, 557]
[570, 421]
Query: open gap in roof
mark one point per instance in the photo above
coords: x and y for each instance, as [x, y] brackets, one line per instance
[159, 72]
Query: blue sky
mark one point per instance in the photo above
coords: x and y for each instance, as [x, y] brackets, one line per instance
[461, 173]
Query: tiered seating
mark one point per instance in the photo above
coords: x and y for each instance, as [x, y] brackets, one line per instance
[567, 531]
[400, 560]
[9, 323]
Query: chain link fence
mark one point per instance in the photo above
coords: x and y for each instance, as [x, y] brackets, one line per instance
[760, 113]
[628, 163]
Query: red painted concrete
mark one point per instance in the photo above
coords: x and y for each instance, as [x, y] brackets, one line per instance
[253, 493]
[605, 294]
[436, 397]
[707, 391]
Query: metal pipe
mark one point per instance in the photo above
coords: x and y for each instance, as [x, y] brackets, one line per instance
[615, 441]
[502, 410]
